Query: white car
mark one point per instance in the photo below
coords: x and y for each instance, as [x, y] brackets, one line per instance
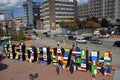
[105, 36]
[81, 40]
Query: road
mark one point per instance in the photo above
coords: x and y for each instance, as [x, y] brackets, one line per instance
[106, 46]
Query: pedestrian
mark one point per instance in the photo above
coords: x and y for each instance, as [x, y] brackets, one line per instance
[3, 48]
[73, 45]
[77, 46]
[93, 77]
[71, 68]
[58, 43]
[58, 68]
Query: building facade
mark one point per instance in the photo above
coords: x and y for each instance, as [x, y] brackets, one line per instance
[109, 9]
[82, 12]
[2, 17]
[55, 11]
[6, 16]
[16, 22]
[31, 11]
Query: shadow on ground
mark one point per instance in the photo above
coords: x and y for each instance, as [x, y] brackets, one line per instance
[1, 57]
[33, 76]
[3, 66]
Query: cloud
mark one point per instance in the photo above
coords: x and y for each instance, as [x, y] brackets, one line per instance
[10, 4]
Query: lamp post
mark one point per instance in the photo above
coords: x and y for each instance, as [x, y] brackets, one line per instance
[84, 29]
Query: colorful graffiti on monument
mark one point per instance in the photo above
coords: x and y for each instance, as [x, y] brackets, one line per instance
[81, 59]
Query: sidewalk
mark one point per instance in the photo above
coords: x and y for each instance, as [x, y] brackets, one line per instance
[110, 39]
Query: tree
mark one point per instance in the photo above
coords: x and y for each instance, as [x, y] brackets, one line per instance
[104, 23]
[92, 19]
[21, 34]
[17, 36]
[80, 24]
[63, 24]
[95, 19]
[92, 25]
[118, 28]
[14, 34]
[71, 25]
[103, 32]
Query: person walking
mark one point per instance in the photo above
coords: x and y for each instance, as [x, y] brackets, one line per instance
[71, 68]
[73, 45]
[58, 68]
[60, 63]
[3, 48]
[93, 77]
[58, 43]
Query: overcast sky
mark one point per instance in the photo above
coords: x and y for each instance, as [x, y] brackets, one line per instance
[16, 6]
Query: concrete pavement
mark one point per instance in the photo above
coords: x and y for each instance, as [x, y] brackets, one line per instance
[16, 70]
[102, 48]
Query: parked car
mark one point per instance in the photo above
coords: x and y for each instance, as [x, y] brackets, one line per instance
[48, 35]
[35, 33]
[55, 36]
[45, 33]
[96, 33]
[88, 38]
[116, 44]
[104, 36]
[81, 40]
[71, 37]
[96, 41]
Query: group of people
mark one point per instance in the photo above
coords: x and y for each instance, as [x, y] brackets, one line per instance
[59, 64]
[74, 45]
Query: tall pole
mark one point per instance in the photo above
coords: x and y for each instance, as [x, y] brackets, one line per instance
[83, 28]
[4, 29]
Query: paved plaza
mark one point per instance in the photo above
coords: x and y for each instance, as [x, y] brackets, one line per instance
[16, 70]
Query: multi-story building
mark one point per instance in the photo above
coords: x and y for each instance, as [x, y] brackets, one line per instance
[55, 11]
[2, 17]
[16, 22]
[109, 9]
[31, 10]
[6, 15]
[19, 22]
[82, 12]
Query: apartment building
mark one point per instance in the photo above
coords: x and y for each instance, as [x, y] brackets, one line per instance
[109, 9]
[55, 11]
[16, 22]
[82, 12]
[7, 19]
[31, 10]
